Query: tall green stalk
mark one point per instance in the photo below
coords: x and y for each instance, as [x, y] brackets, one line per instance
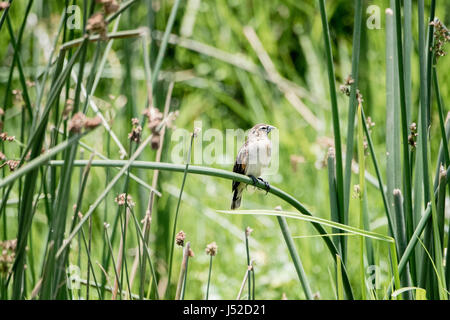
[220, 174]
[209, 276]
[362, 198]
[247, 250]
[404, 122]
[393, 162]
[331, 162]
[441, 108]
[353, 102]
[335, 117]
[295, 257]
[174, 227]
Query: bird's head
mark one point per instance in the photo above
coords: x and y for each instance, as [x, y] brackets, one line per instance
[260, 130]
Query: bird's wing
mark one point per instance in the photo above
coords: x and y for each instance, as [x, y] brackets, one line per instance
[240, 166]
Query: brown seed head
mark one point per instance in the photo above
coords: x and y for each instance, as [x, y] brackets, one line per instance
[30, 84]
[92, 123]
[441, 37]
[211, 249]
[109, 6]
[357, 191]
[7, 255]
[4, 5]
[12, 164]
[4, 137]
[136, 132]
[17, 94]
[179, 238]
[248, 231]
[154, 118]
[346, 89]
[77, 122]
[135, 121]
[96, 24]
[155, 141]
[120, 200]
[413, 135]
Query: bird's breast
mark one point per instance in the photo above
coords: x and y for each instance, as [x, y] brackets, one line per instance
[259, 153]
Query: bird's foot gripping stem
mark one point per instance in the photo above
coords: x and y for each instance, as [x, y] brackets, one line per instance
[255, 182]
[254, 179]
[266, 184]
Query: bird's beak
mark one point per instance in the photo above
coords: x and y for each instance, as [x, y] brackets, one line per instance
[270, 128]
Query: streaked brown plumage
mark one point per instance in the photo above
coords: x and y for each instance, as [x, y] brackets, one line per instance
[253, 156]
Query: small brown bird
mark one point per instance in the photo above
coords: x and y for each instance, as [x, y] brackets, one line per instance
[253, 156]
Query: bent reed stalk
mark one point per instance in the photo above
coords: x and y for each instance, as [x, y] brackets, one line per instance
[220, 173]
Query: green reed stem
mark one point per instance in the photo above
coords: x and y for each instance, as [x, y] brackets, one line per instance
[174, 228]
[352, 109]
[335, 117]
[225, 175]
[404, 121]
[209, 276]
[295, 257]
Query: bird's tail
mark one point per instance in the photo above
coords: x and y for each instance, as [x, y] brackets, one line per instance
[237, 196]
